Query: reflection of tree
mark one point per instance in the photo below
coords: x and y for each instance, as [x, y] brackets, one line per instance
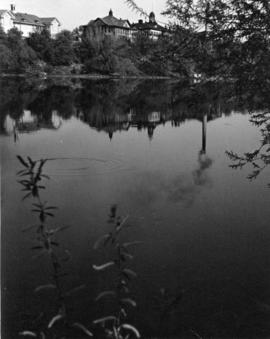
[55, 98]
[112, 106]
[259, 158]
[185, 190]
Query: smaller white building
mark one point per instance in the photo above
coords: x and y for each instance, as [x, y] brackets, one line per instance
[6, 20]
[52, 25]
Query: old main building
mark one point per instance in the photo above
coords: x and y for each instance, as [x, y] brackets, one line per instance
[119, 28]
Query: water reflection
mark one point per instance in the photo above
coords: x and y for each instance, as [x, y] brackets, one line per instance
[113, 106]
[205, 251]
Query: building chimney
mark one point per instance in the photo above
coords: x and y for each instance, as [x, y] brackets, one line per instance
[111, 12]
[12, 8]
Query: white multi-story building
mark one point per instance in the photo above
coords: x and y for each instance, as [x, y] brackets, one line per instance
[108, 26]
[27, 23]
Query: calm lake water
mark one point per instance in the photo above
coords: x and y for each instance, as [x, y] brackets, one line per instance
[157, 150]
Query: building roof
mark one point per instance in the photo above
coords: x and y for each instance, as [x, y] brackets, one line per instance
[148, 26]
[28, 19]
[2, 11]
[48, 21]
[111, 21]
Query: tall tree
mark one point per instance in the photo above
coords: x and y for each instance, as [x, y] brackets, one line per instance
[63, 49]
[42, 44]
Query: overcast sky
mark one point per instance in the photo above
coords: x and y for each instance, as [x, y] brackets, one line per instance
[73, 13]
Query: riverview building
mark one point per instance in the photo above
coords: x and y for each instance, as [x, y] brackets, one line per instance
[108, 26]
[27, 23]
[150, 28]
[118, 28]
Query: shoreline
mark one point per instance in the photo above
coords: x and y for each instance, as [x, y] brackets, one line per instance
[86, 76]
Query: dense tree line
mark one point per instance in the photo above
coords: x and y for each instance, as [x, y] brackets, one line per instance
[107, 56]
[39, 51]
[234, 34]
[212, 38]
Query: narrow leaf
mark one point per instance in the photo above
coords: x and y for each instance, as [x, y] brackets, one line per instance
[118, 228]
[129, 301]
[55, 319]
[35, 210]
[129, 272]
[27, 196]
[132, 329]
[44, 287]
[75, 289]
[123, 312]
[102, 320]
[58, 229]
[83, 328]
[51, 208]
[31, 162]
[50, 214]
[105, 294]
[104, 266]
[24, 163]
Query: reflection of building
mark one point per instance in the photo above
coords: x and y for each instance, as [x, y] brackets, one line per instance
[154, 117]
[27, 23]
[28, 123]
[121, 121]
[108, 26]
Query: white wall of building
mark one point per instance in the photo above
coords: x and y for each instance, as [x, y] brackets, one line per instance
[54, 28]
[6, 21]
[26, 30]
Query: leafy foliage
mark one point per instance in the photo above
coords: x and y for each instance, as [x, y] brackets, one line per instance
[115, 325]
[16, 54]
[259, 158]
[234, 35]
[30, 177]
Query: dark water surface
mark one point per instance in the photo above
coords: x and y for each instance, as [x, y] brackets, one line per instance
[157, 150]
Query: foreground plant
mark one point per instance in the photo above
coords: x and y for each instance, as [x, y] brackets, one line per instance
[259, 159]
[31, 177]
[115, 325]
